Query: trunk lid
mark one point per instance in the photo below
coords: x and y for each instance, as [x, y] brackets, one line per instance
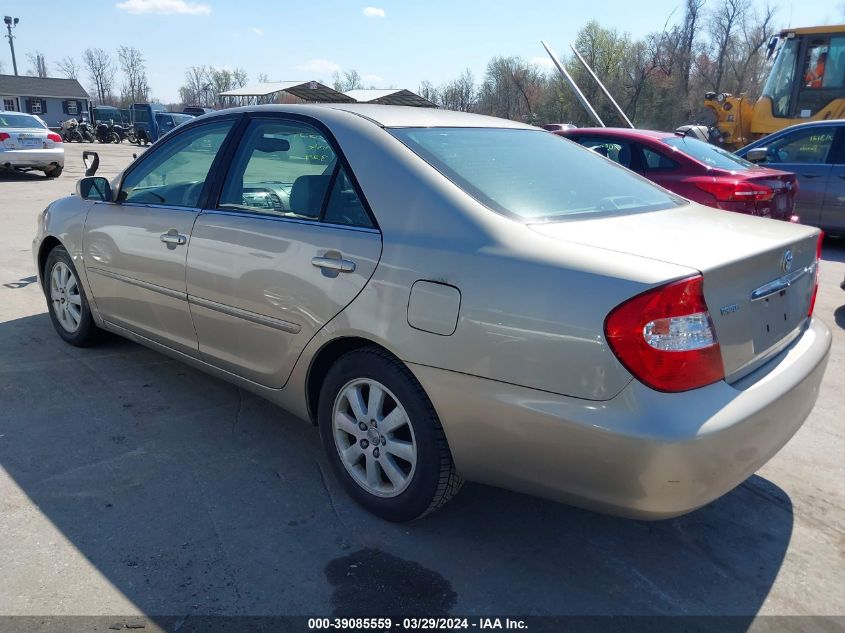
[757, 295]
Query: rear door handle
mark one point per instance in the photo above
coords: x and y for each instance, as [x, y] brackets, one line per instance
[174, 238]
[334, 263]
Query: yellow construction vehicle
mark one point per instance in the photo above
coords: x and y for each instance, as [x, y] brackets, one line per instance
[806, 83]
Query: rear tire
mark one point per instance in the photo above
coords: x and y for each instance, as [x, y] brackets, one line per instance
[66, 300]
[55, 172]
[383, 437]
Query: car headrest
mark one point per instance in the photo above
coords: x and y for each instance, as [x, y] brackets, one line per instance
[306, 195]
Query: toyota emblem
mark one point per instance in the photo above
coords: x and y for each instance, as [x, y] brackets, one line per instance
[786, 261]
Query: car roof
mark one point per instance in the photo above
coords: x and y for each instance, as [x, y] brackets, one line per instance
[624, 132]
[388, 115]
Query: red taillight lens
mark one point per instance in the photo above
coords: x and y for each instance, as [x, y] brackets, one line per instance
[665, 337]
[816, 282]
[54, 137]
[4, 136]
[733, 190]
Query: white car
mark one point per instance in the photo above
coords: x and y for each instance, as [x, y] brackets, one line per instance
[26, 143]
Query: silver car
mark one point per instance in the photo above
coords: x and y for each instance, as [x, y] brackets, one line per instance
[450, 296]
[26, 143]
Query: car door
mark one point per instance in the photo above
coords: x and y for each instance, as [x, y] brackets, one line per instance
[805, 152]
[134, 248]
[832, 217]
[289, 244]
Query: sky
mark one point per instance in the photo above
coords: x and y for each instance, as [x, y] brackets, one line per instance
[396, 43]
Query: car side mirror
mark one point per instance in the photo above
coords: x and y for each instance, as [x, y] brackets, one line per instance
[94, 188]
[757, 155]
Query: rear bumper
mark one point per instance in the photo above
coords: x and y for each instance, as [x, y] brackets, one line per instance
[643, 454]
[32, 158]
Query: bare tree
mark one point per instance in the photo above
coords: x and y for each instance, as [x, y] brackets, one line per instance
[263, 78]
[427, 91]
[748, 64]
[239, 78]
[68, 67]
[101, 72]
[39, 64]
[221, 80]
[197, 87]
[724, 23]
[349, 80]
[135, 88]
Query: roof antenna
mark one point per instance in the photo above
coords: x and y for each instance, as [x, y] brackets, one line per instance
[601, 85]
[584, 102]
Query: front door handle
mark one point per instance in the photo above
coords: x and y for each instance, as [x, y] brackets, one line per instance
[174, 238]
[334, 263]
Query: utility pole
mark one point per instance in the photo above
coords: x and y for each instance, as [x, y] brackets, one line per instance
[10, 24]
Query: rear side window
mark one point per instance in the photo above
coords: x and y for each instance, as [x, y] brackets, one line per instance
[655, 161]
[344, 205]
[282, 168]
[616, 150]
[532, 175]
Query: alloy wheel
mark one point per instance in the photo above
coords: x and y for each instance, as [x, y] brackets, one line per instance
[374, 437]
[65, 297]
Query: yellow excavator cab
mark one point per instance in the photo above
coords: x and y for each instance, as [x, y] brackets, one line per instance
[806, 83]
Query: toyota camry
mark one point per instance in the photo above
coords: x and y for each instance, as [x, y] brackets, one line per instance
[453, 297]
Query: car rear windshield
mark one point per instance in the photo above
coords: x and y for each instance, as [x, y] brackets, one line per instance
[532, 175]
[709, 154]
[19, 120]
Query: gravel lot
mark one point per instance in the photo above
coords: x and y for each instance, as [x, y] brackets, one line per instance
[131, 484]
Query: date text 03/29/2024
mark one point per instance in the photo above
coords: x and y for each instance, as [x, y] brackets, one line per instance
[416, 624]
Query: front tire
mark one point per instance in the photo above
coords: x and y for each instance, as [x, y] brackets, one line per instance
[383, 437]
[66, 301]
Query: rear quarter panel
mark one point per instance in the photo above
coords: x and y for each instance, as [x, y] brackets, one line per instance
[532, 309]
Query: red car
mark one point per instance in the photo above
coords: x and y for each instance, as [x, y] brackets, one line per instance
[695, 170]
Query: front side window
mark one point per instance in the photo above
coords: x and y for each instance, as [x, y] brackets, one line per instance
[780, 82]
[282, 168]
[656, 161]
[708, 154]
[174, 174]
[810, 146]
[532, 175]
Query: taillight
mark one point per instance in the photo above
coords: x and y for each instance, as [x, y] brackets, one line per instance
[4, 136]
[665, 337]
[54, 137]
[816, 281]
[734, 190]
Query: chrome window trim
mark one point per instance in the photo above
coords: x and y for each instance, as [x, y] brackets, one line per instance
[279, 218]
